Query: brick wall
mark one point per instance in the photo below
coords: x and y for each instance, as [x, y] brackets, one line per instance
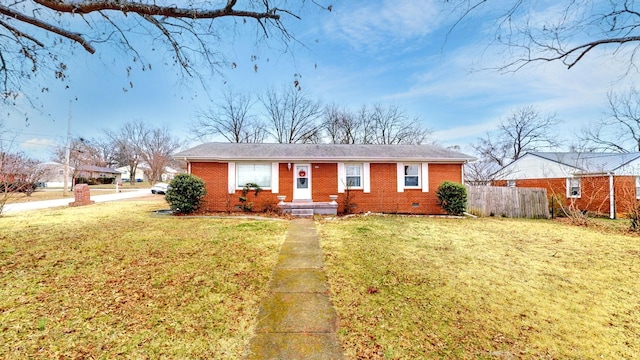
[324, 182]
[594, 192]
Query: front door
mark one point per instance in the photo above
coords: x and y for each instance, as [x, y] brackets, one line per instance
[302, 182]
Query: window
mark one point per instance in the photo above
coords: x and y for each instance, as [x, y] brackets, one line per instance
[511, 183]
[412, 175]
[637, 187]
[60, 172]
[354, 175]
[253, 173]
[573, 187]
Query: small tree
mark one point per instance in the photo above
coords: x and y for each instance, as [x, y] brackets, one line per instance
[185, 193]
[452, 197]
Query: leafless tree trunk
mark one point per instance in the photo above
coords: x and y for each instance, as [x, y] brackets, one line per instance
[128, 142]
[525, 129]
[292, 116]
[232, 118]
[157, 151]
[620, 130]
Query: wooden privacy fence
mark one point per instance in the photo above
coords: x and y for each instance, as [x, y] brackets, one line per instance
[504, 201]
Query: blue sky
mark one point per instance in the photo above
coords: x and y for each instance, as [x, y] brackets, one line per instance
[384, 52]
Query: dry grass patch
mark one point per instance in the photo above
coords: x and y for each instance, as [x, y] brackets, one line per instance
[112, 280]
[486, 288]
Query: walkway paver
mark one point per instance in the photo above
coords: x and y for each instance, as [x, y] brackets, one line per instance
[297, 319]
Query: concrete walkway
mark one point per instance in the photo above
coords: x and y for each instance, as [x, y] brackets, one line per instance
[297, 319]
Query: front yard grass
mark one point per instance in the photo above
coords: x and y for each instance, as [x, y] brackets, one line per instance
[414, 288]
[112, 280]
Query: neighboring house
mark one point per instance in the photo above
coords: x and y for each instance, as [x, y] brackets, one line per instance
[126, 176]
[141, 173]
[377, 178]
[606, 183]
[98, 172]
[53, 173]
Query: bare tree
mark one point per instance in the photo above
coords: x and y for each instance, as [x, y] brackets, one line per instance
[480, 172]
[378, 125]
[38, 35]
[539, 31]
[232, 118]
[525, 129]
[390, 125]
[158, 148]
[128, 142]
[620, 130]
[341, 126]
[293, 117]
[18, 172]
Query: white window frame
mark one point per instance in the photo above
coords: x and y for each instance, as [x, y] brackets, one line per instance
[511, 183]
[238, 167]
[570, 183]
[637, 187]
[360, 168]
[418, 175]
[423, 176]
[365, 177]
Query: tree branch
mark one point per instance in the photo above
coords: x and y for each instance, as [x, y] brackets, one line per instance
[48, 27]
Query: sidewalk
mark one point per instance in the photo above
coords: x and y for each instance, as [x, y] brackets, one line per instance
[9, 208]
[297, 319]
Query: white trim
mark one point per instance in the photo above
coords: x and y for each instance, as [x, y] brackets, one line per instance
[425, 177]
[231, 178]
[275, 177]
[568, 186]
[188, 168]
[400, 177]
[341, 177]
[612, 200]
[366, 177]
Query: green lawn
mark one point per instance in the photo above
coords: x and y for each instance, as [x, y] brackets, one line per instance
[485, 288]
[112, 280]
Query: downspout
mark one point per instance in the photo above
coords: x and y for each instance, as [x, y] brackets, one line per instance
[612, 200]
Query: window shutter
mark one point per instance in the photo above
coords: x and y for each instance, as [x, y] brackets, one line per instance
[342, 178]
[231, 177]
[400, 177]
[275, 178]
[366, 178]
[425, 177]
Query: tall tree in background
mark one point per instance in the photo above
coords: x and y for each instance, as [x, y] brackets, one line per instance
[157, 151]
[292, 116]
[232, 118]
[568, 31]
[525, 129]
[620, 130]
[341, 126]
[378, 125]
[390, 125]
[37, 35]
[128, 142]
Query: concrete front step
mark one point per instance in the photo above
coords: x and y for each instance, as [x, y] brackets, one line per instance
[302, 212]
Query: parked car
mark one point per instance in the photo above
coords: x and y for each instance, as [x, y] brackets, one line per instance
[159, 188]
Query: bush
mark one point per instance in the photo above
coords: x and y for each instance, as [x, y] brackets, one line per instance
[185, 193]
[452, 197]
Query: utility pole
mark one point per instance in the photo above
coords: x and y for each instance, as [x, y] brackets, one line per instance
[67, 154]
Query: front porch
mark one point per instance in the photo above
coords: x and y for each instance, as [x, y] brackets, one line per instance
[304, 208]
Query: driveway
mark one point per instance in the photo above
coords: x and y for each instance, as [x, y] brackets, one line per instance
[9, 208]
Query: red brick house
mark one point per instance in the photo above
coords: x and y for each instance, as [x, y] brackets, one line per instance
[605, 183]
[377, 178]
